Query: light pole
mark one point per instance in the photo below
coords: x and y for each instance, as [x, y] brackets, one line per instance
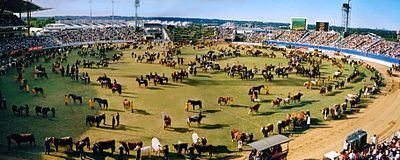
[137, 5]
[90, 14]
[112, 14]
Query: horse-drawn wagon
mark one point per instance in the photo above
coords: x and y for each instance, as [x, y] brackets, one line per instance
[357, 140]
[270, 148]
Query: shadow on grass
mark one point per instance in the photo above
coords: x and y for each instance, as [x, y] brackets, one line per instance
[348, 87]
[211, 111]
[240, 106]
[173, 84]
[115, 110]
[265, 113]
[201, 75]
[125, 96]
[221, 149]
[266, 101]
[140, 111]
[179, 129]
[298, 104]
[213, 126]
[334, 93]
[154, 88]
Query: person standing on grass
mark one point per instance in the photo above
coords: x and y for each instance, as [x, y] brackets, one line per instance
[121, 151]
[91, 103]
[308, 121]
[65, 99]
[117, 117]
[131, 106]
[166, 152]
[53, 111]
[113, 122]
[240, 146]
[192, 156]
[138, 152]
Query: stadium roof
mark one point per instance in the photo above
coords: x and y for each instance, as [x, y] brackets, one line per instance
[19, 6]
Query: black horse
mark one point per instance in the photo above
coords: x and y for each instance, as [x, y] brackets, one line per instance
[43, 110]
[297, 97]
[103, 102]
[95, 119]
[204, 148]
[100, 146]
[104, 82]
[196, 118]
[257, 88]
[75, 97]
[181, 147]
[194, 103]
[143, 81]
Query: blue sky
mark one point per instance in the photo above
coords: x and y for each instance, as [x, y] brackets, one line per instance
[365, 13]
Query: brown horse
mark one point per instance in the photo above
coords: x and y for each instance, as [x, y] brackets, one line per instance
[131, 145]
[276, 102]
[126, 103]
[254, 108]
[236, 135]
[225, 100]
[64, 141]
[266, 129]
[80, 145]
[101, 145]
[167, 122]
[21, 137]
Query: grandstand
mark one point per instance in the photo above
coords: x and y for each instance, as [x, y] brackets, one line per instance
[369, 43]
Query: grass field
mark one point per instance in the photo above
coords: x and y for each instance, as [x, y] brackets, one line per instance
[150, 102]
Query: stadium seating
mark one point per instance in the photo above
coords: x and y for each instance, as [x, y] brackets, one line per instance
[8, 20]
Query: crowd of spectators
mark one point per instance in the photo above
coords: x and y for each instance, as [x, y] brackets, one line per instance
[257, 37]
[382, 47]
[321, 38]
[366, 43]
[389, 149]
[95, 34]
[22, 43]
[10, 20]
[291, 36]
[358, 42]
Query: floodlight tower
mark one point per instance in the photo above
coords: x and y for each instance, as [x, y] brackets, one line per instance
[137, 5]
[346, 11]
[112, 14]
[91, 12]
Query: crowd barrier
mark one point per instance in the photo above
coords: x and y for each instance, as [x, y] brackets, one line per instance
[336, 49]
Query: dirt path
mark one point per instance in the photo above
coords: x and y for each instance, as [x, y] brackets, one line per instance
[380, 117]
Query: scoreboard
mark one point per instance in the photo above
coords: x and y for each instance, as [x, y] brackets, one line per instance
[322, 26]
[298, 24]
